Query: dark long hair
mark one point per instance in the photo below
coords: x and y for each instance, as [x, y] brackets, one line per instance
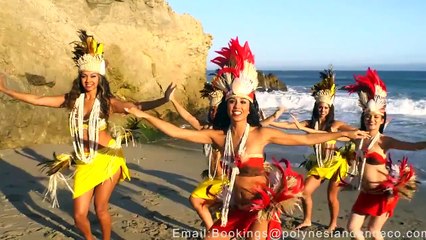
[382, 126]
[103, 94]
[329, 119]
[222, 120]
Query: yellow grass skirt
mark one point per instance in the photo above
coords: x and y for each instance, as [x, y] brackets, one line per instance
[335, 167]
[106, 163]
[208, 189]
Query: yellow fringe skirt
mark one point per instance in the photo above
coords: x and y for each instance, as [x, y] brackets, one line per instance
[337, 167]
[105, 164]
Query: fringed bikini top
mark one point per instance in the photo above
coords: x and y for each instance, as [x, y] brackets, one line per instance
[102, 124]
[375, 158]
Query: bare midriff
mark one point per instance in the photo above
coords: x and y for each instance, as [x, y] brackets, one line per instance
[103, 141]
[373, 176]
[245, 189]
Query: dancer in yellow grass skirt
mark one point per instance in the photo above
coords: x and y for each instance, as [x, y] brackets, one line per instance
[99, 159]
[326, 162]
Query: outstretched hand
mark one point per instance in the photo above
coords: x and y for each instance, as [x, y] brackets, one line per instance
[296, 121]
[279, 111]
[169, 94]
[136, 112]
[358, 134]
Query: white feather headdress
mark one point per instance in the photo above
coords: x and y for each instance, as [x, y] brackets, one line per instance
[88, 54]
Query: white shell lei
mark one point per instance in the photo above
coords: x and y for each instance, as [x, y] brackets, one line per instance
[77, 132]
[360, 154]
[228, 165]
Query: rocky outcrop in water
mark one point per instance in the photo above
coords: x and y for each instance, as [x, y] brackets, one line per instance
[270, 82]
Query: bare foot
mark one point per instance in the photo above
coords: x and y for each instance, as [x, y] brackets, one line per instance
[303, 225]
[331, 228]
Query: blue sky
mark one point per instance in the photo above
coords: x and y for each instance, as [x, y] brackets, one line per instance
[351, 34]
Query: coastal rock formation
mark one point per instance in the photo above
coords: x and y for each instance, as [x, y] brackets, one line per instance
[270, 82]
[147, 45]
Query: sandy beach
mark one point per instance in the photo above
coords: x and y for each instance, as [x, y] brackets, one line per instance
[154, 204]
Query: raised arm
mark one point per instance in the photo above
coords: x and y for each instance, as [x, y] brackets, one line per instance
[278, 137]
[148, 105]
[392, 143]
[193, 121]
[201, 136]
[48, 101]
[267, 121]
[118, 106]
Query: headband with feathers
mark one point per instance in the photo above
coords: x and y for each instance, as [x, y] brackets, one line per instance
[88, 54]
[325, 90]
[371, 91]
[214, 95]
[237, 75]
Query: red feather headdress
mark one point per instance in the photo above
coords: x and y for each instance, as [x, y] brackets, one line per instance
[237, 75]
[371, 91]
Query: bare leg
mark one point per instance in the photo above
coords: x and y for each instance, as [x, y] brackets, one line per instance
[212, 235]
[375, 225]
[102, 194]
[201, 206]
[355, 225]
[259, 230]
[81, 209]
[333, 203]
[311, 184]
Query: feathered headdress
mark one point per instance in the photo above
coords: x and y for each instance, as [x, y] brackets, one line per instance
[214, 95]
[325, 90]
[237, 75]
[88, 54]
[371, 91]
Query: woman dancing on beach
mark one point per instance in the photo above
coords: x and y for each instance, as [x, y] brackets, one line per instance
[326, 162]
[205, 194]
[258, 190]
[100, 163]
[381, 186]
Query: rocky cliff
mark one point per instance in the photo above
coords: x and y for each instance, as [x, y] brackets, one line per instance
[147, 45]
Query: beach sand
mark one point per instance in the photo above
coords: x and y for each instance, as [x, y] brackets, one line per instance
[154, 204]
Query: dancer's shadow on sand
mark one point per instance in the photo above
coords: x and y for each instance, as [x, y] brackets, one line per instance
[31, 154]
[165, 191]
[17, 192]
[122, 199]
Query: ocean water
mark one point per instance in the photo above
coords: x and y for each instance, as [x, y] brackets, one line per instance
[406, 108]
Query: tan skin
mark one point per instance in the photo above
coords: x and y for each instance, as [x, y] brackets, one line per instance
[259, 137]
[201, 205]
[374, 174]
[102, 192]
[313, 182]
